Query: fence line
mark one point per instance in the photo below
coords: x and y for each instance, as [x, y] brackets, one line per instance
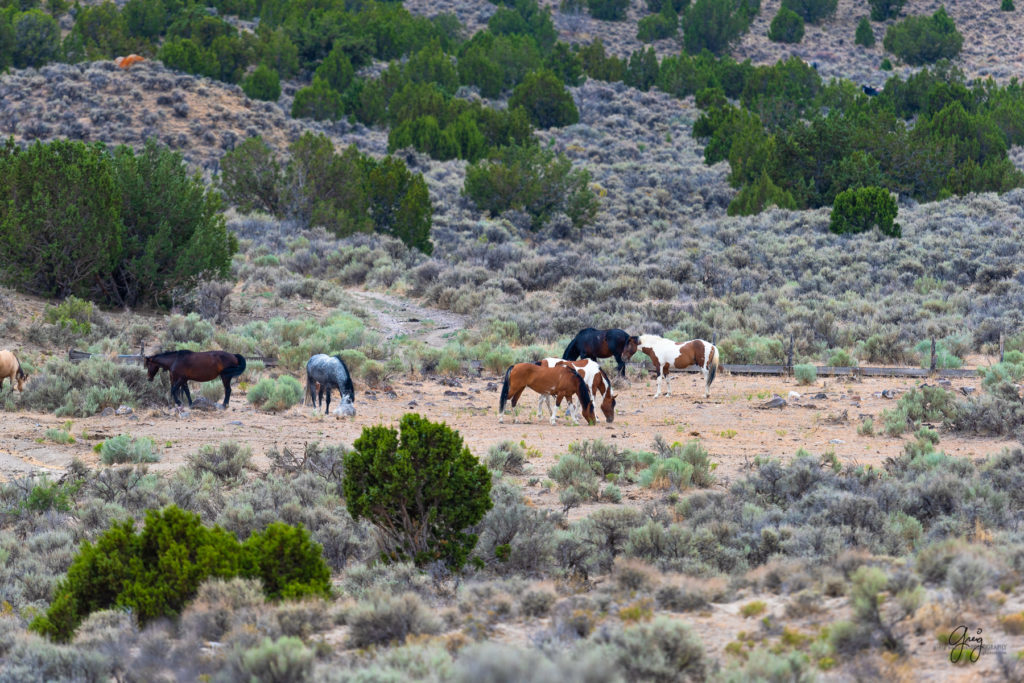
[837, 371]
[76, 356]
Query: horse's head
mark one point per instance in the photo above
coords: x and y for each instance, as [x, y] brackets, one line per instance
[632, 344]
[152, 367]
[20, 376]
[586, 403]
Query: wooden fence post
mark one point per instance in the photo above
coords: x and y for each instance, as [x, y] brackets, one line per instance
[933, 356]
[790, 350]
[1000, 347]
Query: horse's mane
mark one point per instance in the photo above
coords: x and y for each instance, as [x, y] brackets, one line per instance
[584, 393]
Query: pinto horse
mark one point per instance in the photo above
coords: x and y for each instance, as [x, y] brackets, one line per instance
[11, 367]
[593, 376]
[198, 366]
[324, 373]
[667, 354]
[594, 344]
[561, 382]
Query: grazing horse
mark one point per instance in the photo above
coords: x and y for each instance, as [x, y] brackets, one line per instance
[667, 354]
[324, 373]
[593, 376]
[11, 367]
[594, 344]
[198, 366]
[561, 382]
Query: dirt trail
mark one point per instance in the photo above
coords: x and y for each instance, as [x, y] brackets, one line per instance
[398, 317]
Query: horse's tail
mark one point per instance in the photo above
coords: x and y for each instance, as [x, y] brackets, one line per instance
[235, 370]
[712, 364]
[504, 390]
[19, 373]
[571, 352]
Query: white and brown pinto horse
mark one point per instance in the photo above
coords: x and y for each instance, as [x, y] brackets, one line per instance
[667, 355]
[10, 367]
[594, 377]
[561, 382]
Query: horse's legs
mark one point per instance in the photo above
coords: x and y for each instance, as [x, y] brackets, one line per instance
[188, 394]
[621, 363]
[543, 402]
[227, 389]
[174, 391]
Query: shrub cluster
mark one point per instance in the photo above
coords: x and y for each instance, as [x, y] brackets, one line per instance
[131, 228]
[345, 193]
[156, 571]
[922, 40]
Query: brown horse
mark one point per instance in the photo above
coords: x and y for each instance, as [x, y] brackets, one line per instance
[11, 367]
[561, 382]
[594, 377]
[198, 366]
[667, 354]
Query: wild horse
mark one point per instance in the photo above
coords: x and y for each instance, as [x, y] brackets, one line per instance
[330, 372]
[594, 344]
[11, 367]
[593, 376]
[561, 382]
[198, 366]
[667, 354]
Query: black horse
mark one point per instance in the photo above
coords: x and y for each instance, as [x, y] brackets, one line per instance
[594, 344]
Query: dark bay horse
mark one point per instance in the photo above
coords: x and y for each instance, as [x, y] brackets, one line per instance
[330, 372]
[594, 344]
[198, 366]
[10, 366]
[667, 354]
[596, 379]
[561, 382]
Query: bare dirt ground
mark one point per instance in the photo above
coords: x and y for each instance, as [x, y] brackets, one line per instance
[731, 424]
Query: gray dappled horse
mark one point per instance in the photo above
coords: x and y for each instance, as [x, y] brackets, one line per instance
[330, 372]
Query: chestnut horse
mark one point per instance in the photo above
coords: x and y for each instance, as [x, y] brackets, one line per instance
[11, 367]
[667, 354]
[561, 382]
[594, 344]
[198, 366]
[593, 376]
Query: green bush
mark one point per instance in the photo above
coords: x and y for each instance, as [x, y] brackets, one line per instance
[318, 101]
[155, 572]
[275, 395]
[921, 40]
[811, 11]
[1007, 6]
[126, 448]
[884, 9]
[284, 659]
[924, 404]
[864, 35]
[863, 208]
[786, 27]
[664, 24]
[421, 487]
[713, 25]
[35, 39]
[534, 180]
[805, 374]
[73, 314]
[608, 10]
[545, 100]
[262, 84]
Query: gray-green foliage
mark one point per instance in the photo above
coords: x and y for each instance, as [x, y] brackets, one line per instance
[383, 619]
[284, 659]
[275, 395]
[126, 448]
[86, 388]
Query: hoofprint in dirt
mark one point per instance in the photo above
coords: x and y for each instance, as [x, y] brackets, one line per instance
[732, 425]
[399, 317]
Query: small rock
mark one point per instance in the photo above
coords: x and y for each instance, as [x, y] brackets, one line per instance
[794, 395]
[491, 386]
[777, 402]
[203, 403]
[835, 441]
[124, 410]
[184, 413]
[370, 396]
[820, 395]
[943, 382]
[888, 393]
[450, 382]
[235, 422]
[390, 395]
[107, 412]
[413, 404]
[966, 391]
[456, 393]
